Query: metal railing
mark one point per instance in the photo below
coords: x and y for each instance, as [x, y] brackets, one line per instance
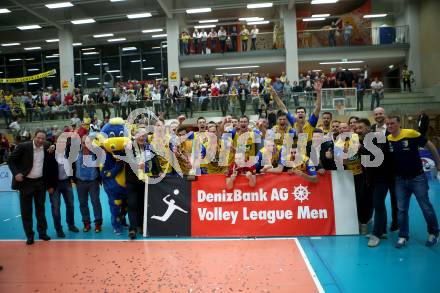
[369, 36]
[232, 43]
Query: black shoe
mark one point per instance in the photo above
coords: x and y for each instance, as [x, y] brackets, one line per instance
[132, 234]
[30, 241]
[60, 234]
[73, 228]
[394, 227]
[45, 237]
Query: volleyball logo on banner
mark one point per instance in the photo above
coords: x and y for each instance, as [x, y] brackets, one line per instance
[169, 207]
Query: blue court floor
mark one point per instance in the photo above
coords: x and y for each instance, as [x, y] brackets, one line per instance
[342, 263]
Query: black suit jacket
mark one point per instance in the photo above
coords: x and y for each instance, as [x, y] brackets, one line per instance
[374, 129]
[21, 160]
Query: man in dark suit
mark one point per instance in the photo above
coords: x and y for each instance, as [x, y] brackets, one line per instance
[379, 116]
[423, 123]
[32, 170]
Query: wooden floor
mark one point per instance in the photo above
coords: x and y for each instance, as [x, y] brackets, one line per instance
[155, 266]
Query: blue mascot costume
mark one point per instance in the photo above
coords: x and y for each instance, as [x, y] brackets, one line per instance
[113, 171]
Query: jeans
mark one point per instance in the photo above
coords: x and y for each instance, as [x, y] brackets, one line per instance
[224, 104]
[254, 44]
[347, 38]
[375, 97]
[63, 188]
[85, 188]
[404, 189]
[244, 45]
[360, 102]
[331, 40]
[380, 190]
[204, 47]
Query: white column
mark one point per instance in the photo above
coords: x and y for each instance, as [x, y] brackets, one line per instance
[173, 53]
[66, 62]
[291, 44]
[412, 15]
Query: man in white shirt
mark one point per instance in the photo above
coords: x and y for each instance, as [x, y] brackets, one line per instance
[33, 172]
[254, 33]
[376, 92]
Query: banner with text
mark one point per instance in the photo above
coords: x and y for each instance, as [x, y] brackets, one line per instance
[279, 205]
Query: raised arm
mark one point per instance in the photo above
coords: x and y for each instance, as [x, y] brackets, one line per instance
[430, 146]
[318, 90]
[277, 100]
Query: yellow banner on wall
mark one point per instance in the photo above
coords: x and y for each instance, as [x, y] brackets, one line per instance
[28, 78]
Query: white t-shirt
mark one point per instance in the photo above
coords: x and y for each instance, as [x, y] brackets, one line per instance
[376, 86]
[254, 33]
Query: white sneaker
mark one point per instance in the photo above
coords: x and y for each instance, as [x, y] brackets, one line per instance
[374, 241]
[363, 229]
[401, 242]
[432, 240]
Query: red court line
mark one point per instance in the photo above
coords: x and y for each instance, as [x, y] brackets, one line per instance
[161, 266]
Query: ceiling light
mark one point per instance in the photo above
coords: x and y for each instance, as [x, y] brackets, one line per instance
[77, 44]
[5, 10]
[232, 74]
[321, 15]
[237, 67]
[154, 74]
[258, 22]
[88, 49]
[15, 59]
[314, 19]
[155, 30]
[99, 64]
[354, 69]
[51, 76]
[28, 27]
[208, 21]
[52, 40]
[83, 21]
[340, 62]
[33, 83]
[259, 5]
[205, 26]
[148, 68]
[84, 73]
[32, 48]
[375, 15]
[52, 56]
[391, 66]
[103, 35]
[10, 44]
[113, 71]
[155, 48]
[316, 70]
[93, 78]
[137, 61]
[251, 18]
[160, 36]
[33, 69]
[324, 1]
[129, 49]
[59, 5]
[90, 53]
[116, 40]
[117, 0]
[139, 15]
[29, 59]
[198, 10]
